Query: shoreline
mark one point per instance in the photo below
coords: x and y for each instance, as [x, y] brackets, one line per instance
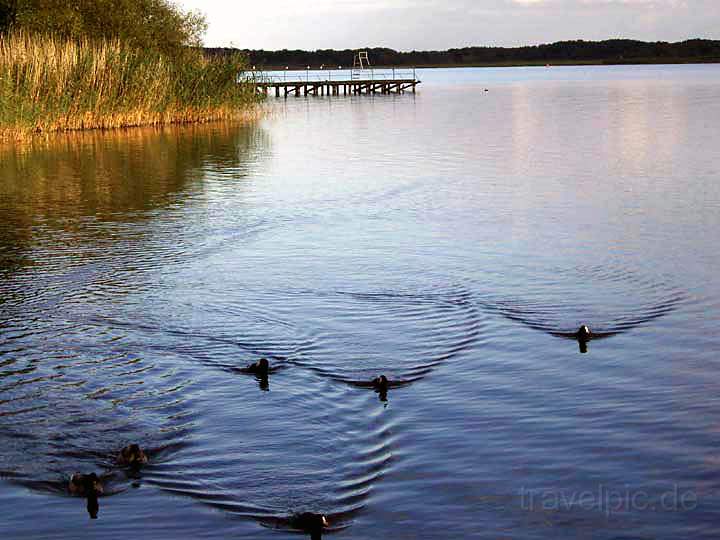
[569, 52]
[529, 63]
[648, 62]
[246, 117]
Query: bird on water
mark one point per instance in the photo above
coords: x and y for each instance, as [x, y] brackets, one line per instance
[132, 456]
[88, 486]
[310, 523]
[261, 368]
[380, 384]
[583, 335]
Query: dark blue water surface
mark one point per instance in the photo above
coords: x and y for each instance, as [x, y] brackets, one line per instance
[452, 240]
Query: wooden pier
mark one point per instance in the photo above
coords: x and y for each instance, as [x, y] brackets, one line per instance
[335, 88]
[332, 83]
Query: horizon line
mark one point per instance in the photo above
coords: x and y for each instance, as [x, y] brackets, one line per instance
[231, 46]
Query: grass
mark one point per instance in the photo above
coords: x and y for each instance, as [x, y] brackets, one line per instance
[52, 84]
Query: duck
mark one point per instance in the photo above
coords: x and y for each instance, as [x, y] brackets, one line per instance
[583, 333]
[88, 486]
[132, 455]
[380, 384]
[85, 485]
[260, 368]
[311, 523]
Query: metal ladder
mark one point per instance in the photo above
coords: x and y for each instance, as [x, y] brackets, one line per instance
[361, 62]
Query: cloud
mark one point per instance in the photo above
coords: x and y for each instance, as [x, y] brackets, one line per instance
[441, 24]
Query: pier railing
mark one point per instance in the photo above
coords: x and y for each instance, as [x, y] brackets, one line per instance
[330, 75]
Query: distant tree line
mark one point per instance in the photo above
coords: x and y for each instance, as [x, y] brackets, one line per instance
[580, 51]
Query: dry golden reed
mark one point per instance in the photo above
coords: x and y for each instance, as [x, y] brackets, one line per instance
[52, 84]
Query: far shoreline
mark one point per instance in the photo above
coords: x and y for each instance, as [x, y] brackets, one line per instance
[618, 51]
[560, 63]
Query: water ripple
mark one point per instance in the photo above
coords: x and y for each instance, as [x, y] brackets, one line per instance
[609, 299]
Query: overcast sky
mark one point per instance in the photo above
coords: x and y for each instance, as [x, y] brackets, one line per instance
[442, 24]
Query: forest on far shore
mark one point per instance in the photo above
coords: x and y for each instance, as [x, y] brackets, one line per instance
[612, 51]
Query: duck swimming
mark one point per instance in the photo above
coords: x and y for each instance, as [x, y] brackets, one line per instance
[380, 384]
[132, 456]
[88, 486]
[583, 333]
[261, 368]
[85, 485]
[310, 523]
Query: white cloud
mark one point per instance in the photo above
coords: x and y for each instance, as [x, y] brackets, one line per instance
[441, 24]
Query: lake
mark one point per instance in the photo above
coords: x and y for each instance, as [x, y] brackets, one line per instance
[453, 240]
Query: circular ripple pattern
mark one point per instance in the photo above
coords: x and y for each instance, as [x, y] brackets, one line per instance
[360, 335]
[340, 440]
[72, 399]
[608, 299]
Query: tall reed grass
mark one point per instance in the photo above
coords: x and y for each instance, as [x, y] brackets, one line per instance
[53, 84]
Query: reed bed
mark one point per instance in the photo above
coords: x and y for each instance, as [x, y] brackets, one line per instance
[52, 84]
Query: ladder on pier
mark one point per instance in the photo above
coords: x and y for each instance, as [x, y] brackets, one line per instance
[361, 62]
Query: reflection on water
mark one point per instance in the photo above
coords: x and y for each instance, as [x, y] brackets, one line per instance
[61, 189]
[84, 211]
[112, 175]
[414, 269]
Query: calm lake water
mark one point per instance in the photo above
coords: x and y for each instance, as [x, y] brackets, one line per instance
[452, 240]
